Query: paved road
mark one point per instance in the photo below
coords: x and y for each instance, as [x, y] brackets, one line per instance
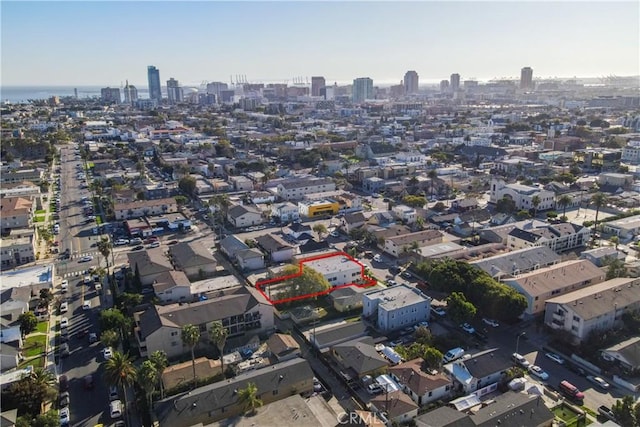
[86, 406]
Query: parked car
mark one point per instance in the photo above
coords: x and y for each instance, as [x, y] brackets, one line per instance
[537, 372]
[93, 337]
[86, 258]
[374, 389]
[88, 382]
[107, 353]
[64, 416]
[113, 393]
[490, 322]
[559, 360]
[137, 248]
[64, 350]
[154, 245]
[115, 409]
[64, 322]
[520, 360]
[468, 328]
[63, 383]
[439, 311]
[86, 305]
[63, 401]
[607, 413]
[599, 382]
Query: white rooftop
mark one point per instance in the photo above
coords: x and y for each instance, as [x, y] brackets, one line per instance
[333, 264]
[26, 276]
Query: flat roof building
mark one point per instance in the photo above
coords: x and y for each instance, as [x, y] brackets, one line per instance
[396, 307]
[338, 270]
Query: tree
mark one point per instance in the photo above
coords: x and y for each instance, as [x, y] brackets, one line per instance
[48, 419]
[433, 175]
[31, 391]
[615, 268]
[147, 377]
[104, 247]
[28, 322]
[506, 205]
[113, 319]
[120, 372]
[110, 338]
[248, 398]
[190, 338]
[159, 360]
[599, 200]
[187, 184]
[459, 309]
[219, 336]
[623, 410]
[128, 301]
[432, 357]
[564, 201]
[414, 201]
[46, 296]
[423, 335]
[535, 202]
[309, 282]
[321, 229]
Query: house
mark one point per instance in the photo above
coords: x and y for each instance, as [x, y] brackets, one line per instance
[193, 258]
[522, 195]
[182, 373]
[244, 216]
[626, 354]
[423, 386]
[464, 205]
[285, 212]
[172, 286]
[15, 212]
[250, 259]
[382, 219]
[479, 371]
[231, 246]
[142, 208]
[283, 347]
[242, 310]
[338, 270]
[218, 401]
[10, 356]
[332, 334]
[351, 221]
[509, 409]
[312, 245]
[394, 407]
[625, 228]
[298, 229]
[357, 358]
[560, 237]
[405, 214]
[602, 255]
[399, 245]
[593, 308]
[348, 298]
[17, 251]
[148, 264]
[296, 188]
[395, 307]
[517, 262]
[540, 285]
[241, 183]
[277, 249]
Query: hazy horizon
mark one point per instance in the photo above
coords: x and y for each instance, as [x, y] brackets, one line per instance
[105, 43]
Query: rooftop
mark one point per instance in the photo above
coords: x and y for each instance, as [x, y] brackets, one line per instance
[333, 264]
[397, 296]
[558, 276]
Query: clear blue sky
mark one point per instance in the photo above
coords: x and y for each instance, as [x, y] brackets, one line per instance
[104, 43]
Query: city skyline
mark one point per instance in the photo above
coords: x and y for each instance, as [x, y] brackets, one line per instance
[277, 41]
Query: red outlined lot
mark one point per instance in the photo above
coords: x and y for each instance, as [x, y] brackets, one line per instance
[260, 285]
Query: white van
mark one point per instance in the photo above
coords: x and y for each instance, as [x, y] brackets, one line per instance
[115, 409]
[453, 354]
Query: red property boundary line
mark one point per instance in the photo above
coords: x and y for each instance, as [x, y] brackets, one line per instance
[260, 284]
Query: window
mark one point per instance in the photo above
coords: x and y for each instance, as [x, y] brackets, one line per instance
[174, 333]
[275, 392]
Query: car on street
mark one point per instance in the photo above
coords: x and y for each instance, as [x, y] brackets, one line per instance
[93, 337]
[107, 353]
[538, 372]
[86, 258]
[607, 413]
[63, 383]
[377, 258]
[113, 393]
[559, 360]
[137, 248]
[520, 360]
[439, 311]
[115, 409]
[599, 382]
[154, 245]
[86, 305]
[64, 416]
[64, 307]
[490, 322]
[121, 242]
[406, 275]
[468, 328]
[64, 322]
[63, 401]
[64, 350]
[64, 285]
[88, 382]
[391, 282]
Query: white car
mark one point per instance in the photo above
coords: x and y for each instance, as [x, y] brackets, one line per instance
[86, 258]
[64, 322]
[377, 258]
[559, 360]
[107, 353]
[490, 322]
[468, 328]
[520, 360]
[86, 305]
[121, 242]
[64, 285]
[599, 382]
[64, 307]
[537, 372]
[64, 416]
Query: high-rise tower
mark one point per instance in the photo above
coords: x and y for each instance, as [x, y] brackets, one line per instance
[526, 78]
[362, 90]
[153, 75]
[411, 82]
[455, 82]
[175, 93]
[317, 83]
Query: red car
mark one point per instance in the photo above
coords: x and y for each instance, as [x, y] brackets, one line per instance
[56, 243]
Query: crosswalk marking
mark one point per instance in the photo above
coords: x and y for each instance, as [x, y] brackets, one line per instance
[76, 256]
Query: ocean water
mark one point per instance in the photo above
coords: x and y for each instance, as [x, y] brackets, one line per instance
[18, 94]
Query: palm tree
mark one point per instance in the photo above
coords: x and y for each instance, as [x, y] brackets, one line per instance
[119, 372]
[44, 378]
[248, 398]
[104, 247]
[432, 174]
[598, 199]
[219, 336]
[564, 201]
[190, 337]
[147, 378]
[159, 360]
[535, 202]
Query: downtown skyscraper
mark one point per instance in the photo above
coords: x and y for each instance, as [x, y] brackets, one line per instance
[153, 76]
[411, 81]
[362, 90]
[526, 78]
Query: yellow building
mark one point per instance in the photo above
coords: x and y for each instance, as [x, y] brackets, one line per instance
[318, 208]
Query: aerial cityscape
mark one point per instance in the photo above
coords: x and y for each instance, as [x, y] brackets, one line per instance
[325, 228]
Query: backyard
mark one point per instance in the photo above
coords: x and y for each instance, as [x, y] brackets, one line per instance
[569, 417]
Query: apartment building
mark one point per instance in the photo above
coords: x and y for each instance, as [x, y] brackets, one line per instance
[338, 270]
[18, 251]
[396, 307]
[141, 208]
[625, 228]
[594, 308]
[295, 189]
[398, 245]
[15, 212]
[559, 237]
[522, 195]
